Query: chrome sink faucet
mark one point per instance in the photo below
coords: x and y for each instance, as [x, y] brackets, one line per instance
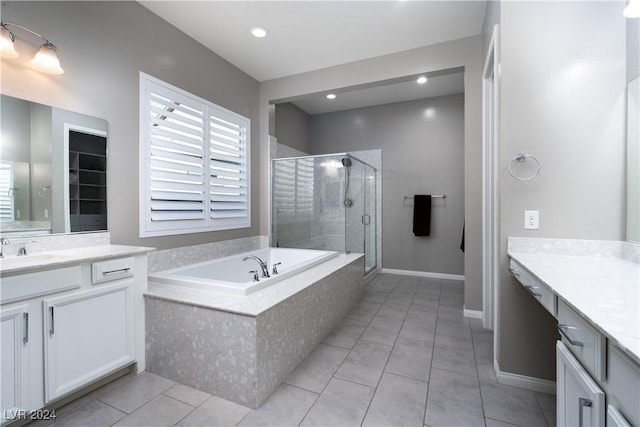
[3, 242]
[263, 265]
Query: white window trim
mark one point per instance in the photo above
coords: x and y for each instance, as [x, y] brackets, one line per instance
[144, 166]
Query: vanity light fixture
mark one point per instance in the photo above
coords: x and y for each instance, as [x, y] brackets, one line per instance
[632, 10]
[331, 96]
[259, 32]
[45, 60]
[421, 80]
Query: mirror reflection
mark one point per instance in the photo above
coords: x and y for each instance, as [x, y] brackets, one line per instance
[633, 160]
[52, 170]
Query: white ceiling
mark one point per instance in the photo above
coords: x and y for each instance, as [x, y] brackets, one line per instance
[310, 35]
[383, 93]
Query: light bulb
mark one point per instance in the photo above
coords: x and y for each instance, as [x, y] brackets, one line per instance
[46, 60]
[7, 49]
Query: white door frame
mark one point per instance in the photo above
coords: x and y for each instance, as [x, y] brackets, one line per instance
[490, 183]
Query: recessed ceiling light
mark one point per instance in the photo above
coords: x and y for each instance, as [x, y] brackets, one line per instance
[331, 96]
[259, 32]
[422, 80]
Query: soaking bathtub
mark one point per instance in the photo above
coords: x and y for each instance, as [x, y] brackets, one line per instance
[232, 275]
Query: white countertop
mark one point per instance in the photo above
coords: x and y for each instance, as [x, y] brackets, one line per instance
[257, 302]
[13, 265]
[604, 289]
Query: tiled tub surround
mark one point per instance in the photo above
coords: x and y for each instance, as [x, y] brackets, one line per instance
[186, 255]
[242, 347]
[599, 279]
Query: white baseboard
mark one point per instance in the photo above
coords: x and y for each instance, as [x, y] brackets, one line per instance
[474, 314]
[423, 274]
[522, 381]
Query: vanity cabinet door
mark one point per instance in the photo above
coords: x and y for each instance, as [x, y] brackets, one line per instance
[87, 335]
[14, 359]
[580, 401]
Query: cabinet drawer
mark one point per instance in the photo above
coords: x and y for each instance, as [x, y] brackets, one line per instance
[586, 343]
[23, 286]
[114, 269]
[536, 288]
[624, 384]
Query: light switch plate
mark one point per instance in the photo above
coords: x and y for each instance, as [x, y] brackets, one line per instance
[531, 220]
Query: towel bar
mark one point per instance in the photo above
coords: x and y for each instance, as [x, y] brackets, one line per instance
[433, 196]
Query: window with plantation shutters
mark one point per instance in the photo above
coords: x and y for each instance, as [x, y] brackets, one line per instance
[194, 163]
[293, 182]
[6, 191]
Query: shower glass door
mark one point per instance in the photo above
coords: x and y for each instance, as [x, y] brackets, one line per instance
[369, 219]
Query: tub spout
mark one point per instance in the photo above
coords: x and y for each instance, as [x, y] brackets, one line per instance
[263, 265]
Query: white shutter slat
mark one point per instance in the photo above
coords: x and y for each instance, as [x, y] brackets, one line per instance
[191, 118]
[190, 149]
[163, 133]
[165, 195]
[163, 163]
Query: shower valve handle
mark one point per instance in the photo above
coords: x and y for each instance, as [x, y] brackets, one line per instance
[256, 277]
[275, 268]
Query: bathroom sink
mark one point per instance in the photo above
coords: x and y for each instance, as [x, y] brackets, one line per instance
[29, 261]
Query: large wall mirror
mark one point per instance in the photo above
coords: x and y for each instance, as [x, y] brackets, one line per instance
[53, 170]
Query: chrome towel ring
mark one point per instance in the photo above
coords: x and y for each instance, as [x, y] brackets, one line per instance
[521, 158]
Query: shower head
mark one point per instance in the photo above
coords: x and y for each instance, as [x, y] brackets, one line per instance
[346, 162]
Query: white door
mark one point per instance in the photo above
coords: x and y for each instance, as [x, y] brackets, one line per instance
[580, 401]
[490, 184]
[87, 335]
[14, 359]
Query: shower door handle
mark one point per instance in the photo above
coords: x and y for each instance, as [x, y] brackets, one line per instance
[366, 219]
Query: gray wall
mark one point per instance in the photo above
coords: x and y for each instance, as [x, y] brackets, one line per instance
[465, 53]
[292, 126]
[563, 90]
[103, 46]
[423, 147]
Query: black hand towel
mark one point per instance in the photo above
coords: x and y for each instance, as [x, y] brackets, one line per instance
[422, 215]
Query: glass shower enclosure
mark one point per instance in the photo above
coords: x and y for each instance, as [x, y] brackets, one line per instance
[325, 202]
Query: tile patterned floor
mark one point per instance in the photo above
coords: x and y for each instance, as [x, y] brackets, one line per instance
[405, 355]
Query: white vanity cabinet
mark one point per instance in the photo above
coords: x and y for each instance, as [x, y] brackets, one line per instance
[14, 357]
[87, 335]
[68, 326]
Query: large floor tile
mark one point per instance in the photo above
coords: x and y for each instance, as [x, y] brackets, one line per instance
[486, 373]
[382, 330]
[93, 414]
[188, 395]
[455, 328]
[495, 423]
[342, 403]
[418, 328]
[454, 400]
[410, 358]
[215, 412]
[511, 404]
[365, 363]
[161, 411]
[287, 406]
[398, 401]
[454, 354]
[345, 335]
[137, 392]
[363, 313]
[315, 372]
[483, 351]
